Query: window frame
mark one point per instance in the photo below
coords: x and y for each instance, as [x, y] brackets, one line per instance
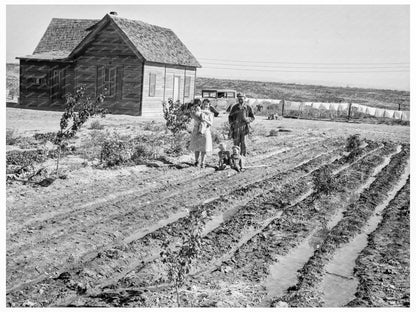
[187, 86]
[152, 84]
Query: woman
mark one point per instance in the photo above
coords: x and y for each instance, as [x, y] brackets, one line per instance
[201, 141]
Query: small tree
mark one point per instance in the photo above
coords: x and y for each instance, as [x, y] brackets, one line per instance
[353, 146]
[179, 262]
[177, 116]
[78, 109]
[324, 182]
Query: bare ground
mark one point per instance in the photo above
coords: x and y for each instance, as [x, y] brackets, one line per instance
[94, 238]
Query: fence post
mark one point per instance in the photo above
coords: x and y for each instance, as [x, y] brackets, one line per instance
[283, 106]
[349, 110]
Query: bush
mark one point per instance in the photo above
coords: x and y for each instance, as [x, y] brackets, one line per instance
[25, 158]
[115, 151]
[176, 116]
[11, 138]
[353, 146]
[324, 181]
[179, 144]
[141, 153]
[91, 146]
[95, 125]
[353, 142]
[44, 137]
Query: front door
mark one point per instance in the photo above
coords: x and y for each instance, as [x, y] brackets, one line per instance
[176, 87]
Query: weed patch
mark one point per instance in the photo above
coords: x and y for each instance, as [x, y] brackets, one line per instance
[96, 125]
[25, 158]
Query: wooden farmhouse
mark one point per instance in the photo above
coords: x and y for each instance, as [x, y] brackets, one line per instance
[134, 64]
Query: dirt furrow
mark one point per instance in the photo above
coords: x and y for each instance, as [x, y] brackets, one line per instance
[293, 221]
[338, 283]
[146, 247]
[251, 260]
[306, 292]
[148, 181]
[136, 280]
[55, 260]
[383, 267]
[146, 194]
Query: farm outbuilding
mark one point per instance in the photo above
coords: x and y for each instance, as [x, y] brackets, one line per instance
[134, 64]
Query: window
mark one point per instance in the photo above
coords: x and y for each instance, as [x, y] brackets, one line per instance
[205, 94]
[37, 81]
[57, 83]
[222, 95]
[106, 80]
[230, 94]
[213, 94]
[152, 84]
[188, 80]
[110, 75]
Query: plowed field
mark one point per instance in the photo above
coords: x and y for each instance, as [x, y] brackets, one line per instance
[271, 239]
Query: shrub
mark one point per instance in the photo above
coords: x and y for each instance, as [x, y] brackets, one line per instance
[91, 145]
[44, 137]
[353, 146]
[11, 138]
[115, 151]
[25, 158]
[324, 182]
[179, 144]
[95, 125]
[177, 118]
[353, 142]
[141, 153]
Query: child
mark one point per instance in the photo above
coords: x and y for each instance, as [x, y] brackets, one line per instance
[236, 160]
[223, 157]
[203, 116]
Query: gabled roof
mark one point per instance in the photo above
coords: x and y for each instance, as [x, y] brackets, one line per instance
[65, 37]
[155, 43]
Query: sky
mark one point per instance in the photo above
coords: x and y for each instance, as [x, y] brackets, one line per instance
[339, 45]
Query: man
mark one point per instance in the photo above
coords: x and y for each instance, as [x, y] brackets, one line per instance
[240, 116]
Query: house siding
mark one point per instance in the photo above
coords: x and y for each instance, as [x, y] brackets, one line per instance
[44, 95]
[152, 105]
[108, 49]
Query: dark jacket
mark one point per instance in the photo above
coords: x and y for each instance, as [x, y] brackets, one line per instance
[241, 117]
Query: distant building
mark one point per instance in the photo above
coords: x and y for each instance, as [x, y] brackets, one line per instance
[134, 64]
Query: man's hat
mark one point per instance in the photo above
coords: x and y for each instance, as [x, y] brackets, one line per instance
[241, 95]
[236, 147]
